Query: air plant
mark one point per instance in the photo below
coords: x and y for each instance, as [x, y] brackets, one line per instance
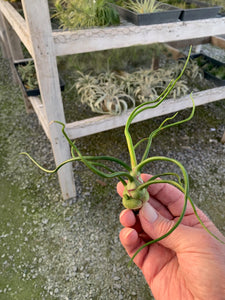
[103, 94]
[135, 190]
[111, 99]
[86, 86]
[127, 81]
[180, 89]
[193, 72]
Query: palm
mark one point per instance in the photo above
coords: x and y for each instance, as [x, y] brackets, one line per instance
[172, 275]
[168, 283]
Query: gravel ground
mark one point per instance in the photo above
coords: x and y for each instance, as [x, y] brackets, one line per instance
[52, 249]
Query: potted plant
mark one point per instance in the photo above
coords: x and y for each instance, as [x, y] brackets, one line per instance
[27, 77]
[194, 9]
[213, 69]
[147, 12]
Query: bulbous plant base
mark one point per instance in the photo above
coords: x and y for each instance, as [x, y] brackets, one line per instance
[134, 198]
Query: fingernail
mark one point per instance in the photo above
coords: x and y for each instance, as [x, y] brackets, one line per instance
[149, 213]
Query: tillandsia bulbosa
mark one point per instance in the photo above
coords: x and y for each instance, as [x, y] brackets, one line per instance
[135, 190]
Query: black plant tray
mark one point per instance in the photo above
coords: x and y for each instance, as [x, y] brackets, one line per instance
[36, 91]
[203, 11]
[170, 14]
[215, 63]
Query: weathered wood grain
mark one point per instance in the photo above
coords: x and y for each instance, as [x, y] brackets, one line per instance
[87, 40]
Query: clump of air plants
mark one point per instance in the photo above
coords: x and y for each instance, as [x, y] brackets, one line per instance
[135, 190]
[103, 94]
[114, 93]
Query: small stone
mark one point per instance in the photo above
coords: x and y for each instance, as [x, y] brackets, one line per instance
[116, 278]
[44, 221]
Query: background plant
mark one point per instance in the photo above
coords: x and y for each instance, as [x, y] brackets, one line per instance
[143, 6]
[115, 92]
[181, 4]
[27, 73]
[75, 14]
[103, 94]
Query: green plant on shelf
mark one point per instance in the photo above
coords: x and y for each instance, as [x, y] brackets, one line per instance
[143, 6]
[217, 71]
[208, 66]
[76, 14]
[181, 4]
[28, 75]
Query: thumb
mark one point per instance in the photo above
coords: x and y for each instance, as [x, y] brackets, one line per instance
[156, 226]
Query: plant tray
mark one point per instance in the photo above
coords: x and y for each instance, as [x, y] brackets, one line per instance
[213, 62]
[169, 14]
[36, 91]
[203, 11]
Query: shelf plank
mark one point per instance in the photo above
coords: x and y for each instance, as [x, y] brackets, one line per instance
[106, 122]
[96, 39]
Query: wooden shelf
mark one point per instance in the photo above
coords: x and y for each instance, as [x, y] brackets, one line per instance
[88, 40]
[101, 123]
[44, 45]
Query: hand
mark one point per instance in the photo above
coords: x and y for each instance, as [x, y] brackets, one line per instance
[189, 263]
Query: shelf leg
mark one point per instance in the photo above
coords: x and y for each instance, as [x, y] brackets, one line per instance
[40, 31]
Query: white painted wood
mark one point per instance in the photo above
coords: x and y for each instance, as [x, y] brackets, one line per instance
[39, 28]
[17, 22]
[106, 122]
[87, 40]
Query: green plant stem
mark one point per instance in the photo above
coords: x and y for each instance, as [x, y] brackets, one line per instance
[163, 158]
[145, 106]
[102, 174]
[161, 127]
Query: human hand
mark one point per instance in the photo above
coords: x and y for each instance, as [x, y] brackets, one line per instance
[187, 264]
